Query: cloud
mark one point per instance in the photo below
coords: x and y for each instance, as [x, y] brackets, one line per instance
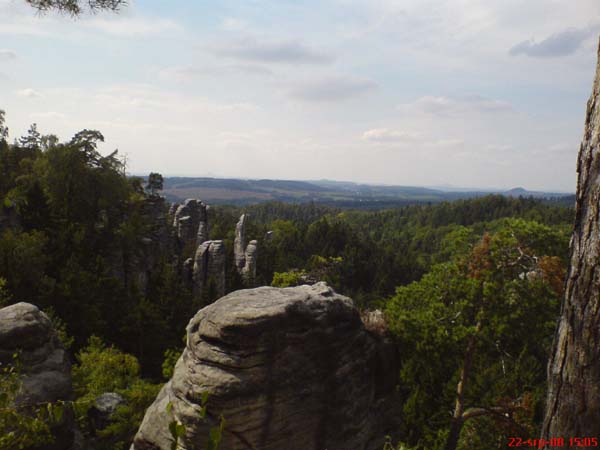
[282, 51]
[456, 106]
[560, 44]
[133, 26]
[385, 135]
[332, 89]
[191, 72]
[7, 55]
[29, 93]
[48, 115]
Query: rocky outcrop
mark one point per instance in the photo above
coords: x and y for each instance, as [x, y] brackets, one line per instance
[289, 368]
[44, 365]
[244, 256]
[102, 412]
[249, 269]
[191, 223]
[209, 266]
[573, 400]
[239, 243]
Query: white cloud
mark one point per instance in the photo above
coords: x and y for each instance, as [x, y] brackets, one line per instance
[133, 26]
[334, 88]
[271, 51]
[7, 55]
[29, 93]
[385, 135]
[456, 106]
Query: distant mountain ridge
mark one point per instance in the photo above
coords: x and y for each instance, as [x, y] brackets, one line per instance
[341, 193]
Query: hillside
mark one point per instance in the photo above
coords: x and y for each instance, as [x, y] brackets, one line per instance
[336, 193]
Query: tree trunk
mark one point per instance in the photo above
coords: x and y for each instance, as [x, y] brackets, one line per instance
[457, 417]
[573, 400]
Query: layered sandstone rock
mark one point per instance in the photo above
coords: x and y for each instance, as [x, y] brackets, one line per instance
[245, 256]
[289, 368]
[191, 222]
[209, 265]
[43, 363]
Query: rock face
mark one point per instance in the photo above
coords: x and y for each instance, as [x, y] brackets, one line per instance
[289, 368]
[102, 412]
[244, 256]
[45, 367]
[190, 221]
[573, 401]
[249, 269]
[209, 264]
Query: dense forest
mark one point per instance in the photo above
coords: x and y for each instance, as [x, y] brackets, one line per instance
[469, 289]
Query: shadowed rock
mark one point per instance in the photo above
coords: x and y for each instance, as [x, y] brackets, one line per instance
[289, 368]
[573, 401]
[44, 366]
[209, 264]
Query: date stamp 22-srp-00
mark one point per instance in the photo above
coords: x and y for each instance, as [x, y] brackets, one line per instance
[555, 442]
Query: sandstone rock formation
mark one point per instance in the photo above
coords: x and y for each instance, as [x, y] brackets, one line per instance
[209, 264]
[102, 412]
[249, 269]
[573, 400]
[190, 222]
[239, 243]
[291, 369]
[44, 365]
[244, 256]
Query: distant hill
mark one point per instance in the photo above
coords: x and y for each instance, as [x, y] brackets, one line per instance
[339, 193]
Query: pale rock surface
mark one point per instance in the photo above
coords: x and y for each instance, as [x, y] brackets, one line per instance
[290, 368]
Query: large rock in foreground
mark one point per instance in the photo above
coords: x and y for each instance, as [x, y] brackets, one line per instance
[44, 364]
[290, 369]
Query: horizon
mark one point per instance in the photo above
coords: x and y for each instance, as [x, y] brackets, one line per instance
[465, 93]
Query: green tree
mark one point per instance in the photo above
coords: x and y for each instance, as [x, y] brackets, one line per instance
[477, 330]
[155, 183]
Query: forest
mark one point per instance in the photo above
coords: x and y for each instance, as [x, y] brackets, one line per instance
[470, 290]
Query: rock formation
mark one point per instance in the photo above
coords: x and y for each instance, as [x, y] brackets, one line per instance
[209, 264]
[44, 364]
[244, 256]
[239, 244]
[249, 269]
[191, 223]
[573, 400]
[101, 414]
[289, 368]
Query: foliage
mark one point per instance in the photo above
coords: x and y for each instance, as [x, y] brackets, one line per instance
[168, 366]
[286, 279]
[480, 308]
[77, 7]
[22, 426]
[155, 183]
[102, 369]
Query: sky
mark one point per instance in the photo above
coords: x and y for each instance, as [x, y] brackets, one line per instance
[469, 93]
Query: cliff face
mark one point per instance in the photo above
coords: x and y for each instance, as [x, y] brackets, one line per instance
[290, 369]
[44, 365]
[573, 401]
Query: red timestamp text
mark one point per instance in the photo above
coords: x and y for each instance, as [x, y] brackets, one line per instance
[556, 442]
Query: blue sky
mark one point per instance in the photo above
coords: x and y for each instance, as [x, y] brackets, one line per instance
[473, 93]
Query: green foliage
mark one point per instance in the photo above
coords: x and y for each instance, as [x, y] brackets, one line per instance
[22, 426]
[155, 183]
[5, 297]
[287, 279]
[103, 369]
[171, 357]
[488, 297]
